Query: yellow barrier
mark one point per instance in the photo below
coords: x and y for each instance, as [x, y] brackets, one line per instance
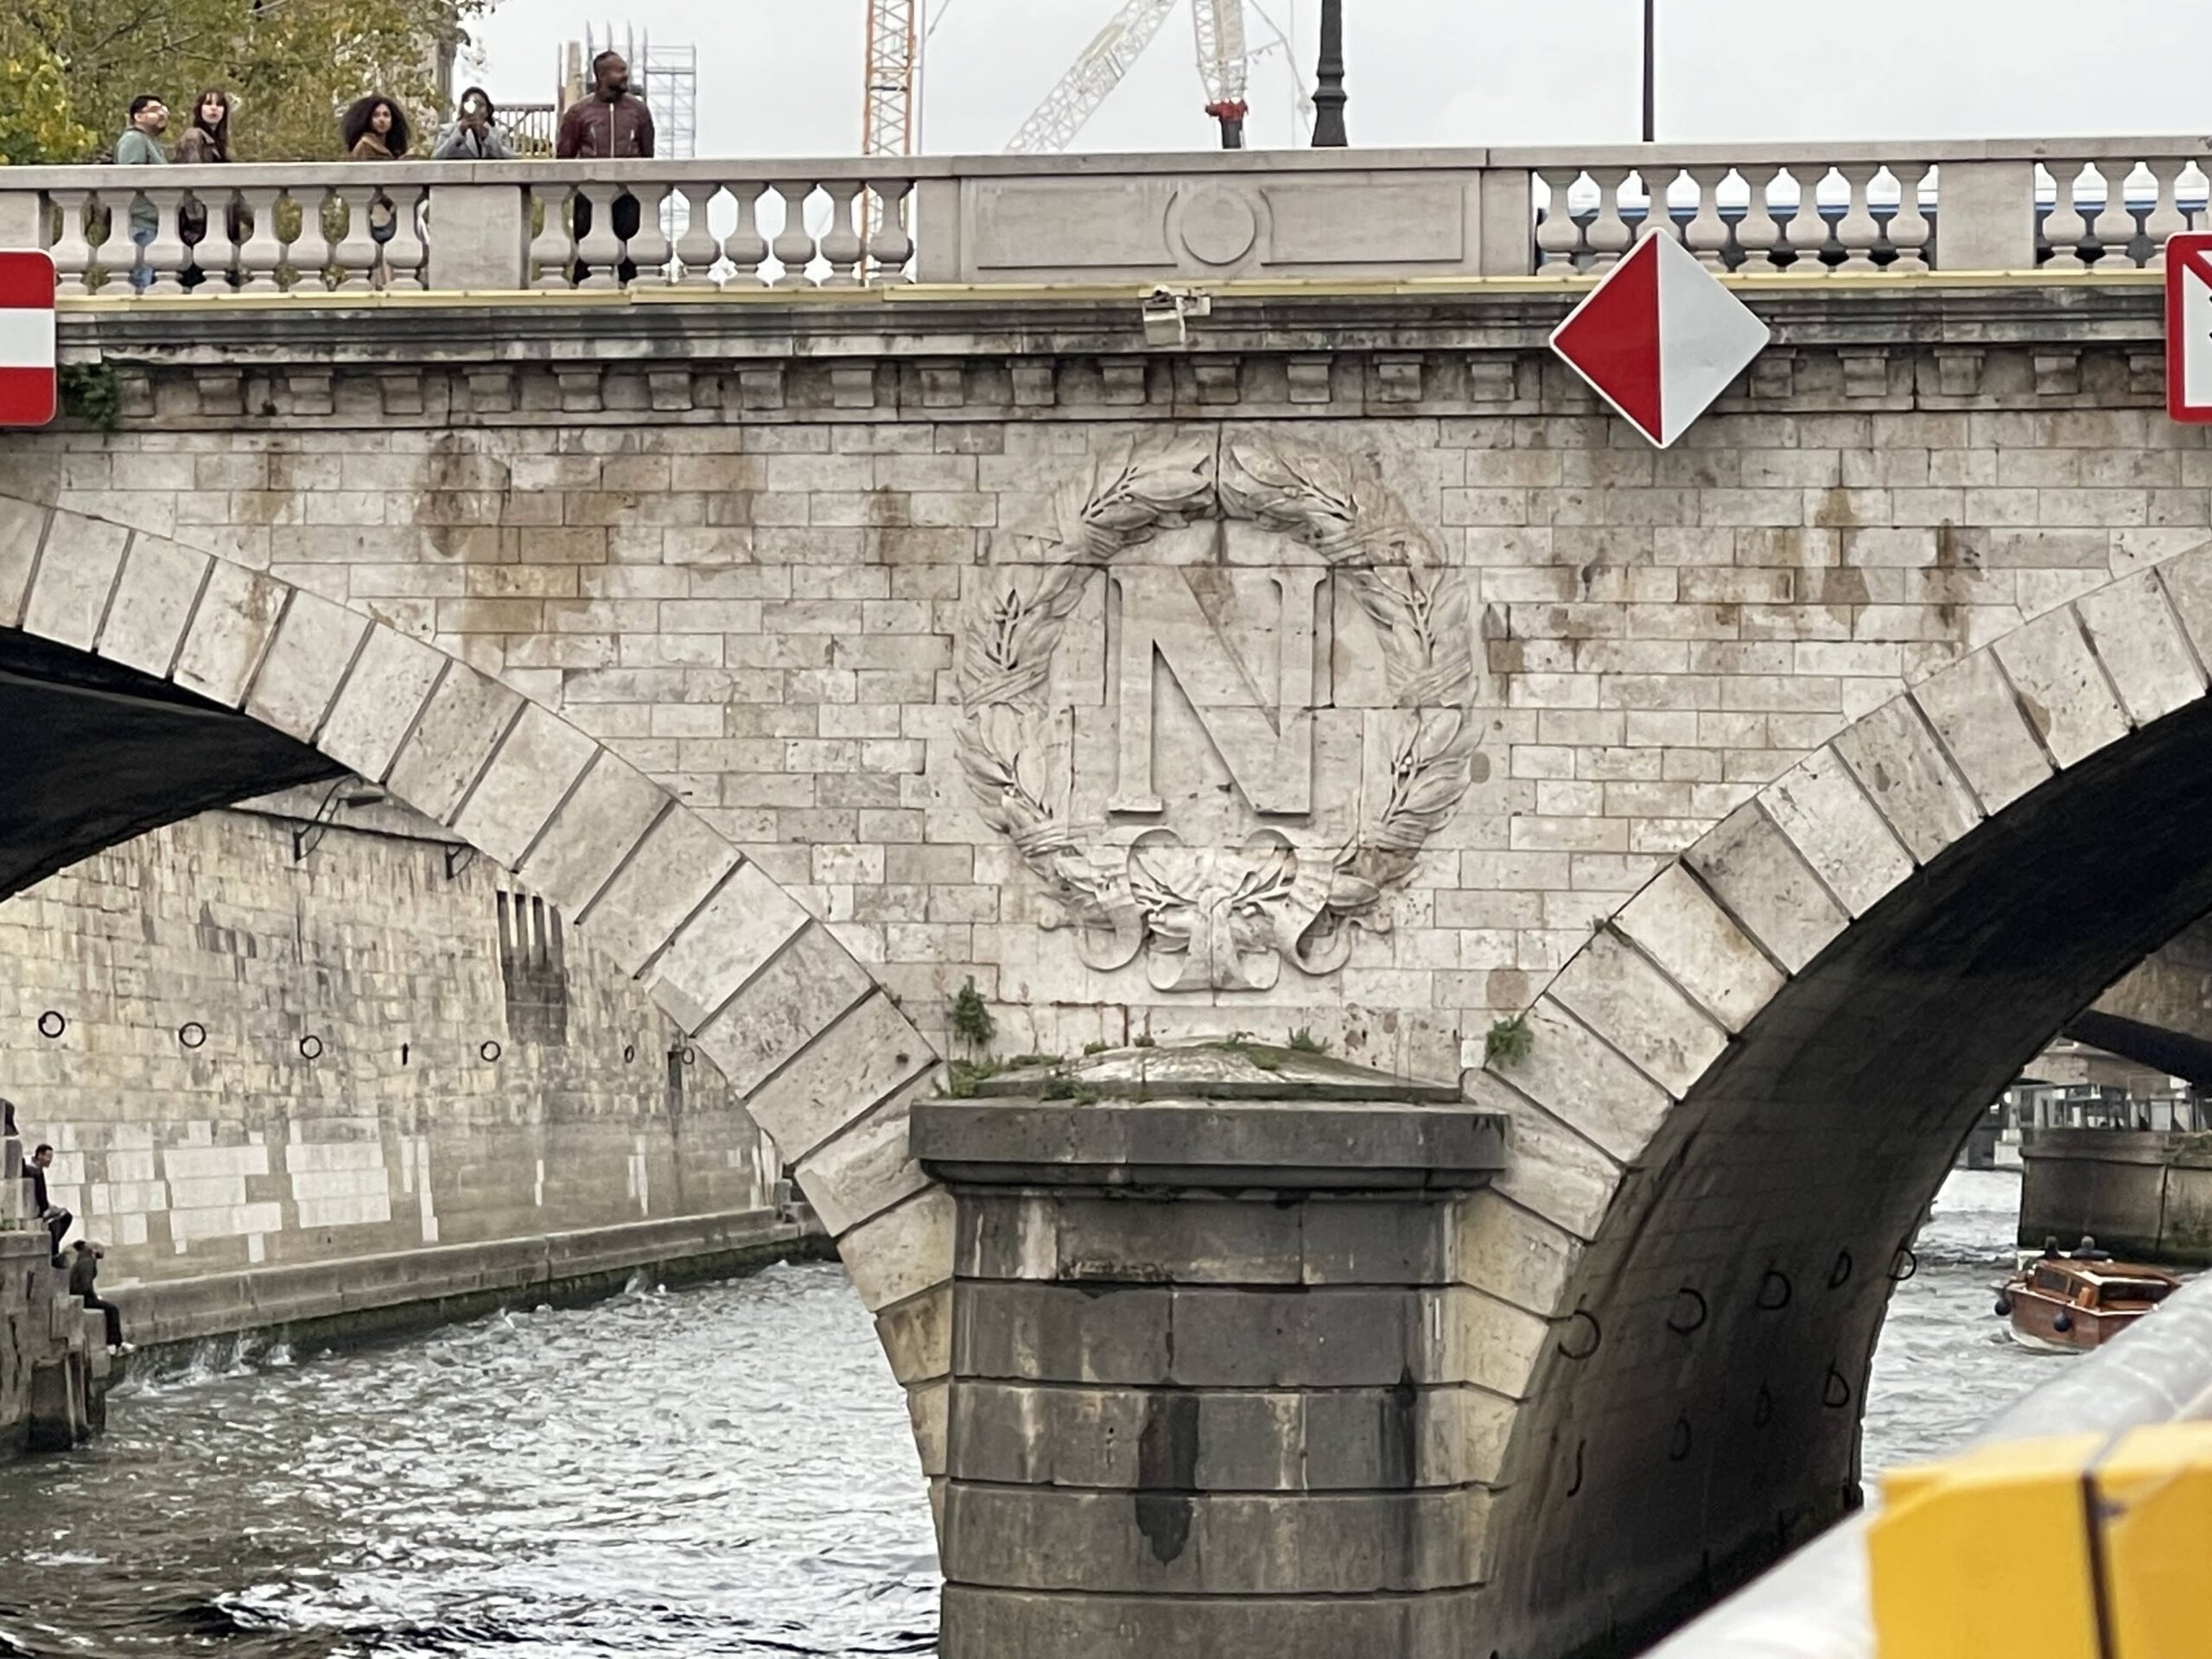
[2088, 1546]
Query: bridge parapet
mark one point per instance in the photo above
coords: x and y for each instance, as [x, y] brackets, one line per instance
[1804, 212]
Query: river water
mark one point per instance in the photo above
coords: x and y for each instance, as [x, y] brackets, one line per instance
[723, 1470]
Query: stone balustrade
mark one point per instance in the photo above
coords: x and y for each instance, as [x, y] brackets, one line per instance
[1806, 212]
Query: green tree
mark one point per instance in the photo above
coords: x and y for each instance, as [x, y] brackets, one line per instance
[289, 65]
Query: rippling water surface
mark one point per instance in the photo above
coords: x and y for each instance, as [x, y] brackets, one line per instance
[723, 1470]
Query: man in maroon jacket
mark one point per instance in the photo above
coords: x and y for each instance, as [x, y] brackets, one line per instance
[611, 125]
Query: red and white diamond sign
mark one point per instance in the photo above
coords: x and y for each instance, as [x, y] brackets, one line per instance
[2189, 326]
[1660, 338]
[27, 375]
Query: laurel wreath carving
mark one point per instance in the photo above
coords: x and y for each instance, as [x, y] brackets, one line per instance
[1341, 509]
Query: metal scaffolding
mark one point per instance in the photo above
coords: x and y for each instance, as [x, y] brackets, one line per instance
[666, 77]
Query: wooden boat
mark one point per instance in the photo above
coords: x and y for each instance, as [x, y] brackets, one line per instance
[2069, 1304]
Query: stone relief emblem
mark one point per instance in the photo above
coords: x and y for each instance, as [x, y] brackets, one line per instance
[1237, 635]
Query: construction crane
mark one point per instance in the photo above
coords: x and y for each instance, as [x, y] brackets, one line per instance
[1219, 25]
[895, 57]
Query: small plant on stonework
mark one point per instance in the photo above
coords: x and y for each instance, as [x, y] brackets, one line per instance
[962, 1077]
[1078, 1094]
[1095, 1048]
[971, 1017]
[1267, 1060]
[1303, 1041]
[1019, 1060]
[91, 393]
[1509, 1041]
[1142, 1040]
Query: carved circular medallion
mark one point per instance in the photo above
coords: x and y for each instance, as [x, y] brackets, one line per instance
[1219, 228]
[1222, 914]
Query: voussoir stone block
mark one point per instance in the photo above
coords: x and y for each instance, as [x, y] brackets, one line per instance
[1586, 1082]
[526, 782]
[917, 1336]
[1911, 780]
[903, 1252]
[1472, 1337]
[231, 628]
[598, 826]
[725, 945]
[23, 529]
[378, 705]
[153, 602]
[871, 1052]
[1681, 929]
[1974, 712]
[928, 1412]
[306, 661]
[464, 721]
[799, 994]
[680, 862]
[2188, 582]
[1555, 1170]
[76, 574]
[1819, 805]
[862, 1172]
[1516, 1256]
[1760, 875]
[2138, 639]
[1640, 1011]
[2062, 688]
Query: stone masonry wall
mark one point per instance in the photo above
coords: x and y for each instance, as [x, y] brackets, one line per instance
[259, 1058]
[761, 602]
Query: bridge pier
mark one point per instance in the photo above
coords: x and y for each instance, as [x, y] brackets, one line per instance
[1217, 1385]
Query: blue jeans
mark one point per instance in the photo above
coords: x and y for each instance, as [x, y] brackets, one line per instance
[141, 275]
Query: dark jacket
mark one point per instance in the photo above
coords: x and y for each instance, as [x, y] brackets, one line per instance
[36, 1177]
[84, 1269]
[594, 130]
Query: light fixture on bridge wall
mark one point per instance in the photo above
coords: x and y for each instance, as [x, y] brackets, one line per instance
[1167, 312]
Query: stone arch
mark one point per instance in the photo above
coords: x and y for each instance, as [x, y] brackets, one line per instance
[1739, 1097]
[824, 1060]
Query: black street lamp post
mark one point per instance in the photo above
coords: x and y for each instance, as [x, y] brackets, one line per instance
[1651, 71]
[1329, 95]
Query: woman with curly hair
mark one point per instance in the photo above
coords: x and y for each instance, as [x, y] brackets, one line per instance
[374, 129]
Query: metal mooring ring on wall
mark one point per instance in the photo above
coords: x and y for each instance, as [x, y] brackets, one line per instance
[1835, 1392]
[310, 1046]
[1575, 1485]
[1597, 1335]
[192, 1034]
[1776, 1279]
[51, 1024]
[491, 1052]
[629, 1052]
[1678, 1446]
[1904, 1265]
[1842, 1271]
[1762, 1408]
[1683, 1320]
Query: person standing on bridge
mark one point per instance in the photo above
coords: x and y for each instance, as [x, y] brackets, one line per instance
[475, 136]
[205, 142]
[612, 125]
[84, 1272]
[57, 1220]
[375, 130]
[140, 146]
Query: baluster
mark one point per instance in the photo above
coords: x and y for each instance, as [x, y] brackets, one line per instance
[1706, 235]
[746, 247]
[553, 247]
[651, 250]
[165, 257]
[1909, 230]
[842, 244]
[2110, 228]
[407, 255]
[1858, 230]
[599, 250]
[2064, 228]
[1758, 233]
[794, 247]
[889, 246]
[1658, 187]
[2191, 190]
[1559, 238]
[698, 251]
[352, 257]
[1609, 236]
[73, 246]
[263, 255]
[1801, 235]
[2167, 219]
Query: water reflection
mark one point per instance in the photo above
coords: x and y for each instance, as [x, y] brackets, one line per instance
[725, 1471]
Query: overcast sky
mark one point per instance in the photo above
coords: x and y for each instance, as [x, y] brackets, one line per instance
[783, 77]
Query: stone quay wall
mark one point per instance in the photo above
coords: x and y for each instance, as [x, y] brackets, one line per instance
[2143, 1193]
[278, 1059]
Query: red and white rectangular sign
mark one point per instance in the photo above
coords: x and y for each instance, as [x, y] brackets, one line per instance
[2189, 326]
[27, 358]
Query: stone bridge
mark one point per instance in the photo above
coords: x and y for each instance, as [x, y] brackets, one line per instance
[1729, 824]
